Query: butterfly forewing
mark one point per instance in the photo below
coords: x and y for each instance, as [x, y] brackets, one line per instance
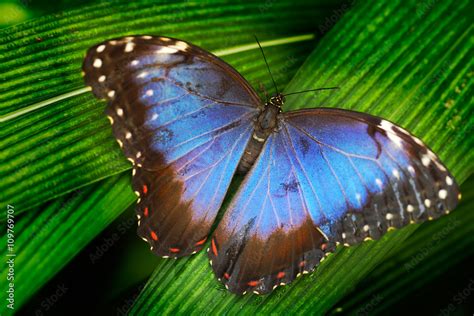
[183, 117]
[367, 174]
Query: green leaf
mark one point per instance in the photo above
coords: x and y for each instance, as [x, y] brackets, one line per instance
[412, 68]
[67, 142]
[46, 239]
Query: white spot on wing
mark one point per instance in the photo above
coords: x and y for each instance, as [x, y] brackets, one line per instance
[386, 125]
[425, 160]
[410, 208]
[128, 135]
[442, 194]
[129, 47]
[147, 37]
[97, 63]
[166, 50]
[142, 74]
[154, 116]
[427, 203]
[149, 92]
[119, 112]
[449, 181]
[102, 78]
[391, 134]
[395, 173]
[389, 216]
[100, 48]
[181, 45]
[134, 62]
[111, 93]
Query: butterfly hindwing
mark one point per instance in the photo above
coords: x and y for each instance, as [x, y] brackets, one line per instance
[326, 176]
[267, 236]
[183, 117]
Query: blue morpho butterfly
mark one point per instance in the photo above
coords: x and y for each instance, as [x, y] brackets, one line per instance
[316, 177]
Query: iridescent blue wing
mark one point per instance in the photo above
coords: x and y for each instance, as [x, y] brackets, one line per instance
[267, 235]
[183, 117]
[327, 176]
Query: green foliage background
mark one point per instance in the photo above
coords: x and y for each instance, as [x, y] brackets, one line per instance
[407, 61]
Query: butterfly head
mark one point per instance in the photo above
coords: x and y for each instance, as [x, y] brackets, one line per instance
[268, 116]
[276, 101]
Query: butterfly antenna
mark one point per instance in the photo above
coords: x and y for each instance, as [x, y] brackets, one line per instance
[332, 88]
[268, 67]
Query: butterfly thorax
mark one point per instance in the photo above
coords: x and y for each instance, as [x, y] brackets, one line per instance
[266, 123]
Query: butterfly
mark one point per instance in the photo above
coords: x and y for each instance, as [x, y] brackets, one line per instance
[315, 178]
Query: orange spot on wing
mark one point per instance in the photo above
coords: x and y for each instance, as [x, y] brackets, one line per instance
[302, 263]
[324, 246]
[145, 212]
[252, 283]
[174, 249]
[280, 275]
[226, 276]
[154, 236]
[145, 189]
[213, 247]
[199, 243]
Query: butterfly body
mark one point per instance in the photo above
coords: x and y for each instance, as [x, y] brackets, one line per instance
[266, 123]
[315, 177]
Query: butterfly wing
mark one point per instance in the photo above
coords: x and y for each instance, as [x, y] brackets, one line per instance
[183, 117]
[267, 235]
[328, 176]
